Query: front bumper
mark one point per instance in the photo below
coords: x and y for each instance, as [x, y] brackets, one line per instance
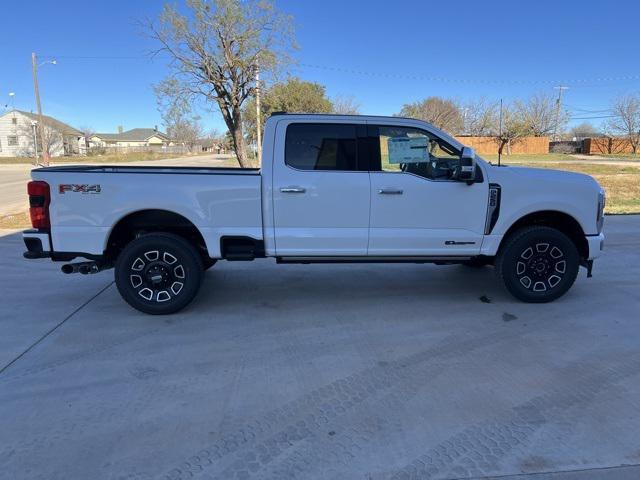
[37, 243]
[596, 245]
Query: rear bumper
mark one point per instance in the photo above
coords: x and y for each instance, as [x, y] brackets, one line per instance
[596, 245]
[37, 243]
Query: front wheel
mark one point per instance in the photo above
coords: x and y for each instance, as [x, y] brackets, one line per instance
[158, 273]
[538, 264]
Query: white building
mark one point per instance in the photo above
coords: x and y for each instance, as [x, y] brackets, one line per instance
[17, 136]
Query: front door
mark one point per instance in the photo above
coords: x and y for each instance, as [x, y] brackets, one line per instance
[416, 208]
[320, 191]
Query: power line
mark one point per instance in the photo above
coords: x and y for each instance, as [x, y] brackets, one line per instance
[467, 80]
[351, 71]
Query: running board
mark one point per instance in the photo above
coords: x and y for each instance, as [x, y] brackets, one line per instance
[363, 259]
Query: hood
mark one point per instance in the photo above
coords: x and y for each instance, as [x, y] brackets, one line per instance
[544, 175]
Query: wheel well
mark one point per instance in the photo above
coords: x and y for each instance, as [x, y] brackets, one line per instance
[558, 220]
[145, 221]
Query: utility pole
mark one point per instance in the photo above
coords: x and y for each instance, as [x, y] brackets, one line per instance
[40, 126]
[258, 134]
[500, 135]
[560, 89]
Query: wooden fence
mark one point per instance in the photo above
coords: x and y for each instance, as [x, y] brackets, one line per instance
[594, 146]
[524, 145]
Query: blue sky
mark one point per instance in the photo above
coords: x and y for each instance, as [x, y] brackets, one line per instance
[495, 49]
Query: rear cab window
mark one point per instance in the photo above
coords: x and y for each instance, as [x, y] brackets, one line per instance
[322, 146]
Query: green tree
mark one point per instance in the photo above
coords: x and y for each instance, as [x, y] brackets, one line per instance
[293, 96]
[216, 50]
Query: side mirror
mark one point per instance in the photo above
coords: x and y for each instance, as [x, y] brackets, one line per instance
[467, 170]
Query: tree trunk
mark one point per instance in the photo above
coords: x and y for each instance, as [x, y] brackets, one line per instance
[239, 147]
[233, 120]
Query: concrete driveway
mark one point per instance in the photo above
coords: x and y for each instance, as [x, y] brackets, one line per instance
[322, 372]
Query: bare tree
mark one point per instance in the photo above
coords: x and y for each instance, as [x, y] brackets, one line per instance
[217, 49]
[540, 112]
[584, 130]
[627, 119]
[480, 118]
[346, 106]
[442, 113]
[183, 126]
[53, 139]
[88, 132]
[515, 125]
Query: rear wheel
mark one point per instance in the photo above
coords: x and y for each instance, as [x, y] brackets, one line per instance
[158, 273]
[538, 264]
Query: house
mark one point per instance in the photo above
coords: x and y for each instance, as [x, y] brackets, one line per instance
[136, 137]
[210, 145]
[18, 135]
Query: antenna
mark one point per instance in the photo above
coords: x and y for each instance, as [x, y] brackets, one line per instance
[560, 89]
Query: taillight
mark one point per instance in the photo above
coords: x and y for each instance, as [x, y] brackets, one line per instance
[39, 199]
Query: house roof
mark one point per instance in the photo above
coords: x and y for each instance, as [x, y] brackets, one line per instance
[52, 122]
[133, 135]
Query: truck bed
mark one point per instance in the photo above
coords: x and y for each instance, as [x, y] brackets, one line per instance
[150, 169]
[88, 202]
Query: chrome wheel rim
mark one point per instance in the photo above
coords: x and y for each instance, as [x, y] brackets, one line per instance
[540, 267]
[157, 276]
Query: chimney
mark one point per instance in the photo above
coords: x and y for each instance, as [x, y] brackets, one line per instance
[155, 128]
[120, 129]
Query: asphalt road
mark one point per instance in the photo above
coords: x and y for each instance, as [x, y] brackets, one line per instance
[13, 188]
[322, 372]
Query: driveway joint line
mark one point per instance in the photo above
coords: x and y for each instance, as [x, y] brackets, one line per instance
[550, 472]
[44, 336]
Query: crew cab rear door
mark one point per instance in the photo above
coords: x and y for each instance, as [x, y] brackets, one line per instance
[416, 208]
[321, 189]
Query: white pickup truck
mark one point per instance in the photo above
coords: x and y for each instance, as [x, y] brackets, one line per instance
[332, 188]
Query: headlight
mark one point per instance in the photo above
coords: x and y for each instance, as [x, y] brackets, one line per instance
[602, 199]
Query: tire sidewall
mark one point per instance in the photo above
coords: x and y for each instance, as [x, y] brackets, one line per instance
[529, 238]
[177, 247]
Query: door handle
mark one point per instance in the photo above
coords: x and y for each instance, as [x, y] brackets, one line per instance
[293, 190]
[390, 191]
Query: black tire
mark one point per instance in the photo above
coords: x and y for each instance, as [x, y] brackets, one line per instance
[538, 264]
[207, 263]
[158, 273]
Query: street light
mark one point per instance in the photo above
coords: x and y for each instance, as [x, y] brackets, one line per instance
[36, 89]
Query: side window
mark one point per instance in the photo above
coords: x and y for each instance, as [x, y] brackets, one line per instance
[321, 146]
[405, 149]
[12, 140]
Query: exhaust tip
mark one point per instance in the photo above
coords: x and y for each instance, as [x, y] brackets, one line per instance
[67, 268]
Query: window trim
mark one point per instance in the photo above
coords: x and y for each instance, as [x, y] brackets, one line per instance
[9, 142]
[362, 159]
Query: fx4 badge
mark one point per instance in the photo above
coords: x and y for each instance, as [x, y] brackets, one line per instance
[78, 188]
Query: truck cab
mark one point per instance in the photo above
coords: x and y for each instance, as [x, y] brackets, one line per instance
[331, 188]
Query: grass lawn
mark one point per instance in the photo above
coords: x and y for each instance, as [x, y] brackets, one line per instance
[109, 158]
[622, 183]
[15, 221]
